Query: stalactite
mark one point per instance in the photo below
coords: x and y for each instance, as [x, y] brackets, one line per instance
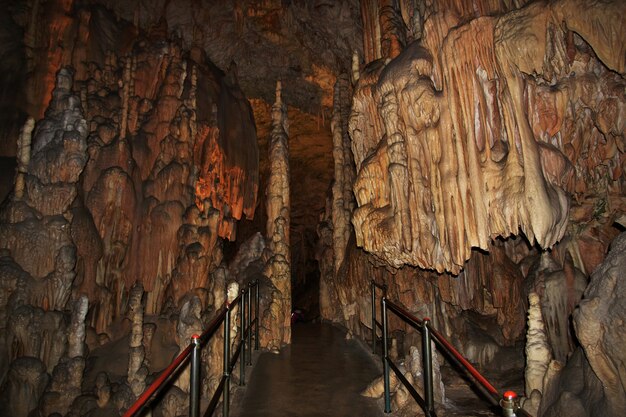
[192, 103]
[371, 30]
[30, 34]
[463, 156]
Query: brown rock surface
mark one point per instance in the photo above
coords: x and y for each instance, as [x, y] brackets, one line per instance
[599, 324]
[469, 123]
[472, 143]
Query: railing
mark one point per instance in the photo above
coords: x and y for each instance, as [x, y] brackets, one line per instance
[193, 350]
[375, 322]
[507, 402]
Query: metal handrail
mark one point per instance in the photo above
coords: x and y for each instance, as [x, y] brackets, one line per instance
[193, 352]
[375, 322]
[508, 401]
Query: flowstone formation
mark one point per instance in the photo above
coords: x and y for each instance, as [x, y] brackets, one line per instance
[476, 136]
[488, 145]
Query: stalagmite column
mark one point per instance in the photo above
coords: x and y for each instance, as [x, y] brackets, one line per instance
[278, 268]
[355, 67]
[189, 323]
[125, 97]
[343, 199]
[23, 156]
[76, 337]
[136, 370]
[537, 355]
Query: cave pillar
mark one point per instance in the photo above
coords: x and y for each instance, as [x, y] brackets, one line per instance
[23, 156]
[383, 35]
[277, 318]
[538, 355]
[343, 199]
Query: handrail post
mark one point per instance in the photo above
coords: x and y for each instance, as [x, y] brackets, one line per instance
[226, 393]
[428, 368]
[508, 404]
[248, 324]
[194, 378]
[242, 359]
[373, 285]
[256, 317]
[383, 311]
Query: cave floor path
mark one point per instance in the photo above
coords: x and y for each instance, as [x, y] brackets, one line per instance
[319, 374]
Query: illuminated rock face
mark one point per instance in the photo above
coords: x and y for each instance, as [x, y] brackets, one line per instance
[168, 180]
[172, 165]
[277, 318]
[141, 165]
[480, 135]
[487, 123]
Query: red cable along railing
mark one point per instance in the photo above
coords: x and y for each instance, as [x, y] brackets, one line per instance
[507, 402]
[193, 350]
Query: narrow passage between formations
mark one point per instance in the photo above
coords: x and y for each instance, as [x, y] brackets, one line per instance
[319, 374]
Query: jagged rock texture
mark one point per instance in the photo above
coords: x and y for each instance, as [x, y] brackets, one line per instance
[277, 320]
[145, 159]
[477, 135]
[472, 123]
[591, 383]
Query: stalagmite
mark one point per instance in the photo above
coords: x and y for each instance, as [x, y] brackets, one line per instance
[414, 363]
[355, 67]
[76, 336]
[471, 123]
[125, 92]
[23, 386]
[343, 200]
[278, 268]
[137, 372]
[538, 355]
[189, 323]
[23, 156]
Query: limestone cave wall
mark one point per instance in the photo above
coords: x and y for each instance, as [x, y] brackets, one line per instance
[138, 158]
[471, 155]
[488, 142]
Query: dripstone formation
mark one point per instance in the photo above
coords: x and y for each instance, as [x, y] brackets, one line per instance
[469, 155]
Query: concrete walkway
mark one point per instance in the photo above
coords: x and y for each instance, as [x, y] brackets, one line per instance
[320, 374]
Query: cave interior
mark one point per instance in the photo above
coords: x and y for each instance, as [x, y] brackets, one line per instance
[156, 156]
